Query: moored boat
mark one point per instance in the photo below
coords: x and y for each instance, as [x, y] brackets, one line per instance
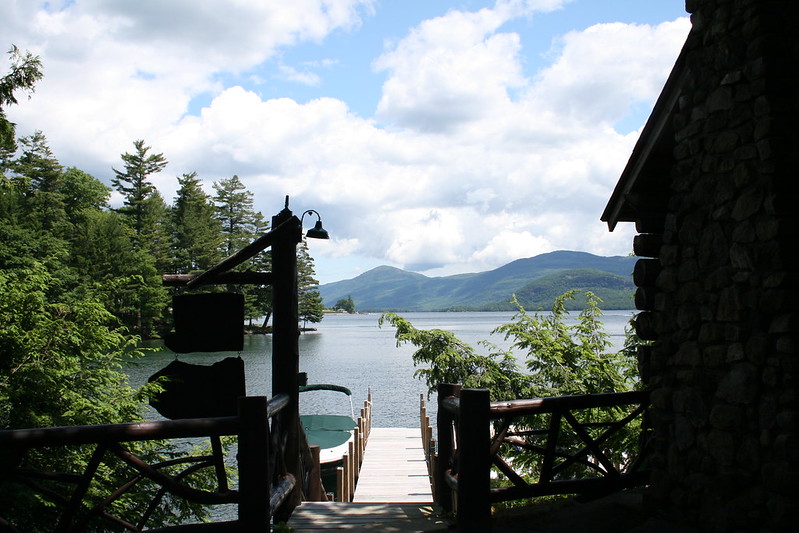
[332, 433]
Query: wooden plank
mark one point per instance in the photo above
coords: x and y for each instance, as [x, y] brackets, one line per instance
[383, 517]
[394, 468]
[392, 493]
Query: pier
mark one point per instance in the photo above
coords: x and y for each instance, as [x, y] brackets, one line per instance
[392, 493]
[393, 490]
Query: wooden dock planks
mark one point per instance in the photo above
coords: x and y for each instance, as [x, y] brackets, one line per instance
[392, 494]
[394, 469]
[384, 517]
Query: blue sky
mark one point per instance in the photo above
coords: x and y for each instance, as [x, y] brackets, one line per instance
[437, 136]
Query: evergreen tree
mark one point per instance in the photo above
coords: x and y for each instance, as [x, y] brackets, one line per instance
[308, 298]
[156, 231]
[64, 261]
[135, 186]
[35, 224]
[82, 193]
[39, 170]
[241, 224]
[235, 212]
[258, 298]
[145, 212]
[197, 233]
[26, 70]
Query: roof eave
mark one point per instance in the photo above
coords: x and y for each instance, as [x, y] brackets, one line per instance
[656, 136]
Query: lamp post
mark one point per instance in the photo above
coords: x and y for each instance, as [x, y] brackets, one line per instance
[285, 338]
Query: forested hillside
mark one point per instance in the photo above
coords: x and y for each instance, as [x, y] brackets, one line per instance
[536, 281]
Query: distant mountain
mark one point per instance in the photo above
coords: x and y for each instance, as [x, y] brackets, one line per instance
[536, 281]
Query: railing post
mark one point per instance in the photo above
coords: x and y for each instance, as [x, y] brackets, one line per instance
[316, 491]
[474, 462]
[253, 458]
[446, 446]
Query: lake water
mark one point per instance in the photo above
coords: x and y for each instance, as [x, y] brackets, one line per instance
[351, 350]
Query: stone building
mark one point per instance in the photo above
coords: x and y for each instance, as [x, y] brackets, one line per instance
[713, 188]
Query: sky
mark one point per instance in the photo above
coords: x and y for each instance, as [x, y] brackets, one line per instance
[437, 136]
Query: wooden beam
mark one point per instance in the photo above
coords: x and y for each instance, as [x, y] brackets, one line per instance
[647, 244]
[234, 278]
[288, 225]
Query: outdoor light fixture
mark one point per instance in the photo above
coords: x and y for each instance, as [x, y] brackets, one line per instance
[317, 232]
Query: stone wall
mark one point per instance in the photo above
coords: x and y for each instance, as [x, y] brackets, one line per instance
[724, 287]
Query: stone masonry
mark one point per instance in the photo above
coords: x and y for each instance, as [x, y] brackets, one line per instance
[721, 291]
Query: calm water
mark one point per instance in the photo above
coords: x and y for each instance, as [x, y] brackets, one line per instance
[351, 350]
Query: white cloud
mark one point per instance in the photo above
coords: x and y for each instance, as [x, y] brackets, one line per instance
[471, 161]
[450, 70]
[601, 72]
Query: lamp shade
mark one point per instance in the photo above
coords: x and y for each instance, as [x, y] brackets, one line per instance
[317, 232]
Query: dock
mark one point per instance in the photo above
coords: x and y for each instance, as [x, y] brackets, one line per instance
[394, 470]
[392, 493]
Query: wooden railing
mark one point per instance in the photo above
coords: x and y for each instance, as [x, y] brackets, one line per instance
[574, 454]
[428, 442]
[347, 474]
[263, 482]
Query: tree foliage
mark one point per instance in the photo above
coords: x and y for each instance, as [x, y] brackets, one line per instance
[197, 234]
[76, 279]
[309, 300]
[25, 71]
[135, 185]
[345, 304]
[559, 357]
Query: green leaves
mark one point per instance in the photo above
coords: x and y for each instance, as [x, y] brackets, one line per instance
[25, 71]
[560, 357]
[60, 364]
[444, 358]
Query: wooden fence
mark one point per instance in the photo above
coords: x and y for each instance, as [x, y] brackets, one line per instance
[263, 483]
[575, 453]
[347, 474]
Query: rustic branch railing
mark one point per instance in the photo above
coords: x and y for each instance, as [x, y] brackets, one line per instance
[263, 482]
[575, 454]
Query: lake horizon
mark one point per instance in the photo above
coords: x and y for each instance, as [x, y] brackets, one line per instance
[353, 351]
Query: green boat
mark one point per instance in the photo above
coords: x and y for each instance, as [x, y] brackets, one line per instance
[332, 433]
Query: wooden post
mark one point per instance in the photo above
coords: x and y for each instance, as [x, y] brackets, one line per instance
[353, 470]
[474, 461]
[253, 459]
[356, 437]
[285, 345]
[345, 492]
[316, 492]
[446, 446]
[340, 482]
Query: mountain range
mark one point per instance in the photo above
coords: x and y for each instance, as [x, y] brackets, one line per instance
[535, 281]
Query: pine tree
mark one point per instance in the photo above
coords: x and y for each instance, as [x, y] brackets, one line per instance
[234, 211]
[308, 298]
[147, 215]
[197, 236]
[135, 186]
[258, 298]
[39, 171]
[241, 224]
